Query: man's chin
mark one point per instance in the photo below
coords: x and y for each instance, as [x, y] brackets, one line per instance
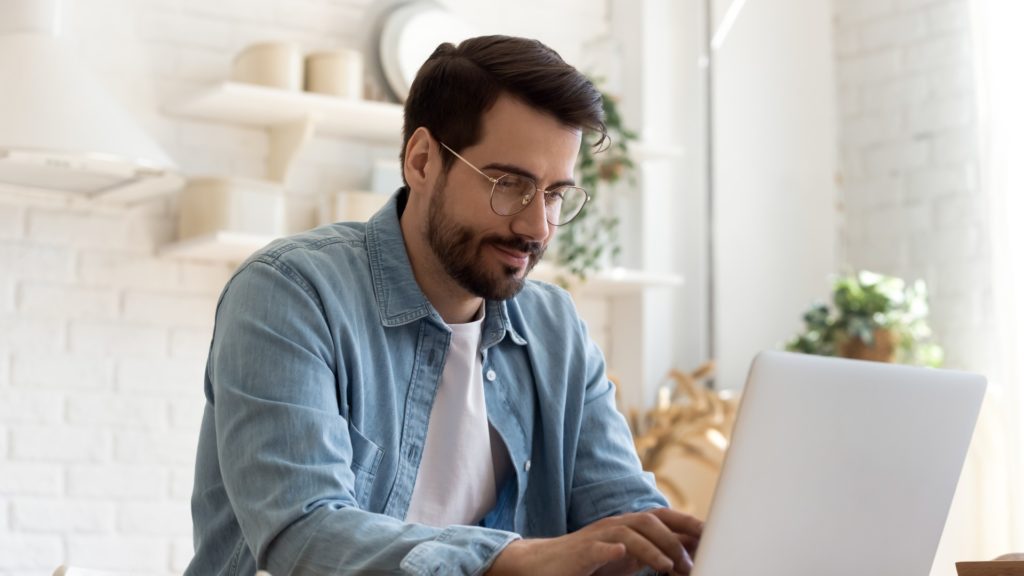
[515, 279]
[521, 273]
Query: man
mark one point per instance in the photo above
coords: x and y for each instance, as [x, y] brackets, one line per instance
[395, 396]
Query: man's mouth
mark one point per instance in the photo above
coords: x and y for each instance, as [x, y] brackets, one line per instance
[518, 254]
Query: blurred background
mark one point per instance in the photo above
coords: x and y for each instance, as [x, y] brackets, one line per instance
[147, 146]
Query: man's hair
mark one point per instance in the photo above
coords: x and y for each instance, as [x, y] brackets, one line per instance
[456, 85]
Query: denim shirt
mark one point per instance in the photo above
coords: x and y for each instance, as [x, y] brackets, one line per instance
[325, 360]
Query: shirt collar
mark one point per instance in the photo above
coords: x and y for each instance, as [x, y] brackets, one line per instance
[399, 298]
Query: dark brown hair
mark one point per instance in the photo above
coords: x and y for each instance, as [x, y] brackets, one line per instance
[456, 85]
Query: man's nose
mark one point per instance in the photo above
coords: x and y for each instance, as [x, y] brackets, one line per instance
[532, 222]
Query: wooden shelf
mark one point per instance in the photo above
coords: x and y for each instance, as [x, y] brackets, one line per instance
[251, 105]
[227, 247]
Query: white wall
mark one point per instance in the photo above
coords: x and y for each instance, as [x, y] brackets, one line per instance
[910, 160]
[102, 344]
[774, 176]
[913, 207]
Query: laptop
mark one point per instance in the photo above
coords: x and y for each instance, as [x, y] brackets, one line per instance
[839, 468]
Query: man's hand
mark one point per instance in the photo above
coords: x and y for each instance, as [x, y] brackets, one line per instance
[662, 539]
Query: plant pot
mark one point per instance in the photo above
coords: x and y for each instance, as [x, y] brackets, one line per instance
[883, 349]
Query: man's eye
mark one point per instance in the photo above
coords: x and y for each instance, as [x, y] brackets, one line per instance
[509, 183]
[555, 196]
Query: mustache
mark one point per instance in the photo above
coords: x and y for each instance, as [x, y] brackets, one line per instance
[518, 244]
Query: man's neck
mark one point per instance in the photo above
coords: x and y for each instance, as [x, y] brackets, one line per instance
[454, 310]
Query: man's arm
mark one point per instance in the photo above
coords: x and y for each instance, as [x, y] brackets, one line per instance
[286, 452]
[620, 523]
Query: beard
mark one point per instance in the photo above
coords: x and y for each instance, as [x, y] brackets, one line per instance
[458, 248]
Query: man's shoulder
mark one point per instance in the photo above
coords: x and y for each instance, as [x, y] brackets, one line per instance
[332, 241]
[331, 254]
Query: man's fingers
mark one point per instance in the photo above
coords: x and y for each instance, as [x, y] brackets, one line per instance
[687, 562]
[689, 543]
[640, 548]
[657, 533]
[600, 553]
[678, 522]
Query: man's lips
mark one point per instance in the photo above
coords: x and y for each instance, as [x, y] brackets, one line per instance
[514, 258]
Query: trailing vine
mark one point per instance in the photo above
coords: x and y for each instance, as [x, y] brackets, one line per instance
[582, 244]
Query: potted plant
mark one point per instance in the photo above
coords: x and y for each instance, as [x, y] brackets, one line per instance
[581, 246]
[872, 317]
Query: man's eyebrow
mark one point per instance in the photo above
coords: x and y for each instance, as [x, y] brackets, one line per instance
[518, 171]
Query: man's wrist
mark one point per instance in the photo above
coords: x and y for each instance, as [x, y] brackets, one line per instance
[509, 560]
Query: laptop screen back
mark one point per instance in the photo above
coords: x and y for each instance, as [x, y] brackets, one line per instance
[839, 467]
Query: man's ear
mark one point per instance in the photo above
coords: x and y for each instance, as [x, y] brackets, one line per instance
[419, 151]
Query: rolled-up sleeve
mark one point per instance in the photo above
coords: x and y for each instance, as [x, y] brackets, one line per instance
[285, 449]
[607, 479]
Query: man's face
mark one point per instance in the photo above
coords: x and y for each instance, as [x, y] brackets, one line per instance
[487, 254]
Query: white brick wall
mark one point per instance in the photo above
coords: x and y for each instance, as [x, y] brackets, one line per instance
[12, 222]
[103, 344]
[53, 515]
[913, 203]
[23, 553]
[910, 162]
[20, 479]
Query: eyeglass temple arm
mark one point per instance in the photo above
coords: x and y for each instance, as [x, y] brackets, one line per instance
[468, 163]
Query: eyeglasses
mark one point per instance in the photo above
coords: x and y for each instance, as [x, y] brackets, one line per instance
[512, 193]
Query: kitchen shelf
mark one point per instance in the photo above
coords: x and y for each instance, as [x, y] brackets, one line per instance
[260, 106]
[644, 151]
[292, 118]
[232, 248]
[610, 281]
[227, 247]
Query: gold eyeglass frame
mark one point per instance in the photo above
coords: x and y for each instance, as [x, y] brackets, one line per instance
[526, 199]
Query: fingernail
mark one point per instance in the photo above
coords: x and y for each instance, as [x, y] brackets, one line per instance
[687, 560]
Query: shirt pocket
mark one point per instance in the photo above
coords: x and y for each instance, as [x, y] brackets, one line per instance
[366, 457]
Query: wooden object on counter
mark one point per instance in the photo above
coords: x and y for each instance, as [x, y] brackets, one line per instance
[994, 568]
[683, 439]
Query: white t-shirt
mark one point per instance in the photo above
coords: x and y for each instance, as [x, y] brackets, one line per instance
[464, 458]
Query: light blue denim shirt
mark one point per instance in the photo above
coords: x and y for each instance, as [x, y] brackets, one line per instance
[322, 371]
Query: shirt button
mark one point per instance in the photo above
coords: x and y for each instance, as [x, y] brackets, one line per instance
[527, 465]
[491, 375]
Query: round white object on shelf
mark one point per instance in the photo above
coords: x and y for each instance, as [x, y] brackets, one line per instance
[410, 35]
[213, 204]
[273, 64]
[335, 73]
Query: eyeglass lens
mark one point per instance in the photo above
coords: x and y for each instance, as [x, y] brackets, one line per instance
[512, 194]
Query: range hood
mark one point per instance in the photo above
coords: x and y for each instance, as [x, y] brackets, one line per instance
[60, 132]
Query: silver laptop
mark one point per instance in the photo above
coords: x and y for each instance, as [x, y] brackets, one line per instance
[839, 468]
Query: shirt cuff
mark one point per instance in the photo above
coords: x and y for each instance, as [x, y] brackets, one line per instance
[458, 550]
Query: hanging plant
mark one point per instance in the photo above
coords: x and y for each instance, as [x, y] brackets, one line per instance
[583, 244]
